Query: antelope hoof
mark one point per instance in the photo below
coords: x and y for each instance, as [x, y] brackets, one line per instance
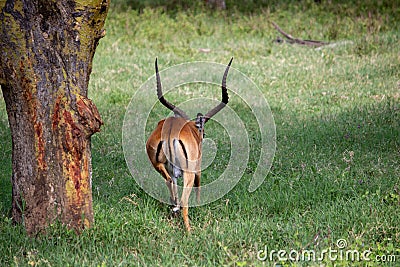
[175, 211]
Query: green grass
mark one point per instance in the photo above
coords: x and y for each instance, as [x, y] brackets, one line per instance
[336, 171]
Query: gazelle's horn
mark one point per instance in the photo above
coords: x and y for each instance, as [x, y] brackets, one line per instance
[225, 97]
[176, 110]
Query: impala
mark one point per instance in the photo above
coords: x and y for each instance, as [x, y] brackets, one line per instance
[174, 148]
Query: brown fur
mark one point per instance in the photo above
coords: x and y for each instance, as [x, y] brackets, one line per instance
[168, 130]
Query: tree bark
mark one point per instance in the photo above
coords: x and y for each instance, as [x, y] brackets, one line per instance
[46, 52]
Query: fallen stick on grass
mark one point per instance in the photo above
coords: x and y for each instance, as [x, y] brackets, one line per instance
[292, 40]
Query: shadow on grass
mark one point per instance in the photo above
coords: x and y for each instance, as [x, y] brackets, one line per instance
[322, 160]
[5, 161]
[339, 8]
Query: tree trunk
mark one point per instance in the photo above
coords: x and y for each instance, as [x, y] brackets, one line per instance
[218, 4]
[46, 52]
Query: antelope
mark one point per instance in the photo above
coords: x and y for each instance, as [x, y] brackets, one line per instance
[175, 146]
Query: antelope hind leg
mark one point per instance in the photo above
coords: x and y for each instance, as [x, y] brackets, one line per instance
[197, 186]
[188, 180]
[171, 184]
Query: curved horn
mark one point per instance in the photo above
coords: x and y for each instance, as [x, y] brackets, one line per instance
[177, 111]
[225, 97]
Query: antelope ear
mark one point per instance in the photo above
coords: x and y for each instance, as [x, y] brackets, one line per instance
[200, 120]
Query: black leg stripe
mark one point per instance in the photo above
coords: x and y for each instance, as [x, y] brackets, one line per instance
[184, 152]
[159, 147]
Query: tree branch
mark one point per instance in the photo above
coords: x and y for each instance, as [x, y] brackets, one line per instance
[292, 40]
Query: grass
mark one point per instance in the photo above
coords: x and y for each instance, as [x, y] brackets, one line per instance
[336, 170]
